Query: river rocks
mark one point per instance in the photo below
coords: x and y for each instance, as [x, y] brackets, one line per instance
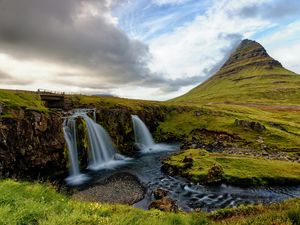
[121, 188]
[165, 204]
[256, 126]
[159, 193]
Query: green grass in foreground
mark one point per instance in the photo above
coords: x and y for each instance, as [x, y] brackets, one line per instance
[238, 170]
[27, 203]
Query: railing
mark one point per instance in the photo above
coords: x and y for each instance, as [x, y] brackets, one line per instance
[48, 92]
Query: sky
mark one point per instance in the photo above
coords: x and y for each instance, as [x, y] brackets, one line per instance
[143, 49]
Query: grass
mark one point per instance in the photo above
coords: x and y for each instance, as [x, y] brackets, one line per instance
[110, 102]
[238, 170]
[272, 86]
[27, 203]
[283, 136]
[16, 99]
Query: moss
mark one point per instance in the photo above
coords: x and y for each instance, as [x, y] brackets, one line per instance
[236, 170]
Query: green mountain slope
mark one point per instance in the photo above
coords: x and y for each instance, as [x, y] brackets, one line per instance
[251, 87]
[250, 75]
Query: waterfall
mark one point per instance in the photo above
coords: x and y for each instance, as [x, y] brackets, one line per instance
[95, 116]
[100, 144]
[102, 154]
[144, 140]
[142, 135]
[69, 130]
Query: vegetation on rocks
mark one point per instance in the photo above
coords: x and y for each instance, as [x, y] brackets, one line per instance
[208, 168]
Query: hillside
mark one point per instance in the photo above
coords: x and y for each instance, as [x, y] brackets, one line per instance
[250, 88]
[250, 75]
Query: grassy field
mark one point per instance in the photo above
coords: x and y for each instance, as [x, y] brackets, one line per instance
[27, 203]
[21, 99]
[282, 131]
[237, 170]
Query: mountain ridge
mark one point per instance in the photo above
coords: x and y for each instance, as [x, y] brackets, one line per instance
[249, 75]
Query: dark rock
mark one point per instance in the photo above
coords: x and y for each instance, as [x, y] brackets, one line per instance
[32, 145]
[165, 204]
[215, 174]
[159, 193]
[188, 159]
[188, 162]
[169, 169]
[256, 126]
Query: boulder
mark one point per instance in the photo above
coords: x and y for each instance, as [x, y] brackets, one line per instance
[159, 193]
[215, 174]
[165, 204]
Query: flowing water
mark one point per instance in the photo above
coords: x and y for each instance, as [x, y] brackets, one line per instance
[102, 154]
[146, 167]
[144, 140]
[190, 196]
[69, 129]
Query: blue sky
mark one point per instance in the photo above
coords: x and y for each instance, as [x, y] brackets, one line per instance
[151, 49]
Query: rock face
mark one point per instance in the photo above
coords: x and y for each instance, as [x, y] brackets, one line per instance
[31, 145]
[117, 122]
[256, 126]
[249, 53]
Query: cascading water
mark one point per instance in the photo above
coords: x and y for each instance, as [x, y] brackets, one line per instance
[69, 129]
[101, 147]
[102, 153]
[143, 138]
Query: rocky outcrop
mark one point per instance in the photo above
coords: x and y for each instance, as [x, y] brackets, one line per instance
[165, 204]
[31, 144]
[256, 126]
[159, 193]
[248, 53]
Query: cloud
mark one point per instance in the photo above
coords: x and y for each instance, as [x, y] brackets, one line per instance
[80, 34]
[71, 32]
[11, 80]
[277, 9]
[200, 47]
[169, 2]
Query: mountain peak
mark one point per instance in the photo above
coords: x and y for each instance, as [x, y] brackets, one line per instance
[249, 53]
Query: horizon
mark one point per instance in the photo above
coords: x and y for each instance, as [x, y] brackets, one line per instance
[152, 50]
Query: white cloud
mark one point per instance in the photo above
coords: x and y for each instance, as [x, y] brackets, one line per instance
[284, 45]
[169, 2]
[197, 46]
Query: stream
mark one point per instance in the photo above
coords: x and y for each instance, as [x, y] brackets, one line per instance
[191, 196]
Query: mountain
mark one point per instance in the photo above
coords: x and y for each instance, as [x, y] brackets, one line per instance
[250, 75]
